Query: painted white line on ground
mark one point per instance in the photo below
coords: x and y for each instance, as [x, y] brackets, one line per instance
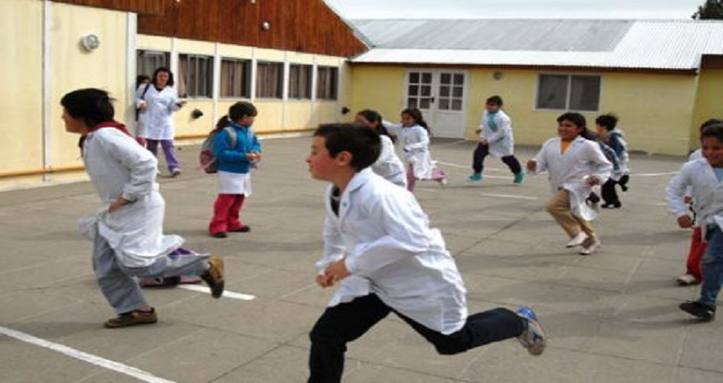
[84, 356]
[511, 196]
[453, 165]
[226, 293]
[653, 174]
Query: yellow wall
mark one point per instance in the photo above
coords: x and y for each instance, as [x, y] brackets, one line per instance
[655, 110]
[20, 75]
[74, 68]
[709, 101]
[378, 88]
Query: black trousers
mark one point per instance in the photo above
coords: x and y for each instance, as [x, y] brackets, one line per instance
[483, 150]
[609, 192]
[348, 321]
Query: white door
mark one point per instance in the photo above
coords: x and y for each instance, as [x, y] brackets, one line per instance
[440, 95]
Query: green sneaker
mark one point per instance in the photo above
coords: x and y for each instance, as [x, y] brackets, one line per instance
[519, 177]
[476, 177]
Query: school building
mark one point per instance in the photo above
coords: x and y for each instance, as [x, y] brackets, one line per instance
[662, 78]
[301, 64]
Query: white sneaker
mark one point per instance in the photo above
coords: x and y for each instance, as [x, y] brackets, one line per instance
[577, 240]
[590, 248]
[687, 280]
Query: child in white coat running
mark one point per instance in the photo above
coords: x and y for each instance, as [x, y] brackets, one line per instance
[495, 138]
[704, 177]
[127, 233]
[575, 165]
[413, 135]
[388, 165]
[380, 250]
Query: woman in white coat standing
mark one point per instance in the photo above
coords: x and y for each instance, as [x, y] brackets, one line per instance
[127, 233]
[156, 103]
[575, 165]
[388, 165]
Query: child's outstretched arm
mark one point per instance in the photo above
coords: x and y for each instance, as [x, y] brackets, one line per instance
[406, 235]
[602, 167]
[675, 194]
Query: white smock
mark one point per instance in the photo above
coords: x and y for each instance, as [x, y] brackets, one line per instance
[392, 252]
[117, 167]
[156, 121]
[414, 141]
[234, 183]
[700, 178]
[388, 165]
[501, 142]
[569, 171]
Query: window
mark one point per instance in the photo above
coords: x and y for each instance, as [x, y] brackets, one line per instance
[326, 82]
[195, 76]
[451, 91]
[568, 92]
[419, 90]
[235, 78]
[300, 81]
[269, 79]
[148, 61]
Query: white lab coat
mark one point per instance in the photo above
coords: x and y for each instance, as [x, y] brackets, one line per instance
[707, 192]
[156, 122]
[501, 141]
[391, 252]
[117, 167]
[415, 145]
[568, 171]
[388, 165]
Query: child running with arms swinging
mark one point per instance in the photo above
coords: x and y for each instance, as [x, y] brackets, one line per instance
[380, 250]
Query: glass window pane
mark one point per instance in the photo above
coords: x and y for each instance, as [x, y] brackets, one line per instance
[458, 79]
[457, 91]
[412, 102]
[446, 78]
[584, 93]
[444, 104]
[552, 92]
[414, 90]
[424, 103]
[444, 91]
[426, 90]
[426, 78]
[456, 104]
[413, 77]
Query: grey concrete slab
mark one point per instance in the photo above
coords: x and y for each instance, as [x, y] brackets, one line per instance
[611, 317]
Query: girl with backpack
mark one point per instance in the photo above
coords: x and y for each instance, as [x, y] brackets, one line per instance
[236, 150]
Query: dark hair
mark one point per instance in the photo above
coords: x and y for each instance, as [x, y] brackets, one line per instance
[578, 120]
[374, 116]
[497, 100]
[713, 130]
[363, 144]
[608, 121]
[159, 70]
[141, 78]
[236, 112]
[710, 122]
[416, 114]
[91, 105]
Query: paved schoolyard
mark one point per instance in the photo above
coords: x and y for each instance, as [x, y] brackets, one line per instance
[611, 317]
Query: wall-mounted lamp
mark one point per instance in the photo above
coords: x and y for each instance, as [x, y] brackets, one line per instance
[196, 114]
[90, 42]
[266, 25]
[497, 75]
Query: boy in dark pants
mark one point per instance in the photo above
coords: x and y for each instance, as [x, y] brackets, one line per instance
[380, 250]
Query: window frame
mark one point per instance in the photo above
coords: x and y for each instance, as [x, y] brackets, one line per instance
[247, 65]
[166, 57]
[280, 87]
[194, 58]
[568, 90]
[334, 88]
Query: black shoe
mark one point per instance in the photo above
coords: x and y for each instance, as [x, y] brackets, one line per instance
[242, 229]
[220, 234]
[593, 198]
[699, 310]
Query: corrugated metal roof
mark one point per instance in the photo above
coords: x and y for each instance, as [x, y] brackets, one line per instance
[641, 44]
